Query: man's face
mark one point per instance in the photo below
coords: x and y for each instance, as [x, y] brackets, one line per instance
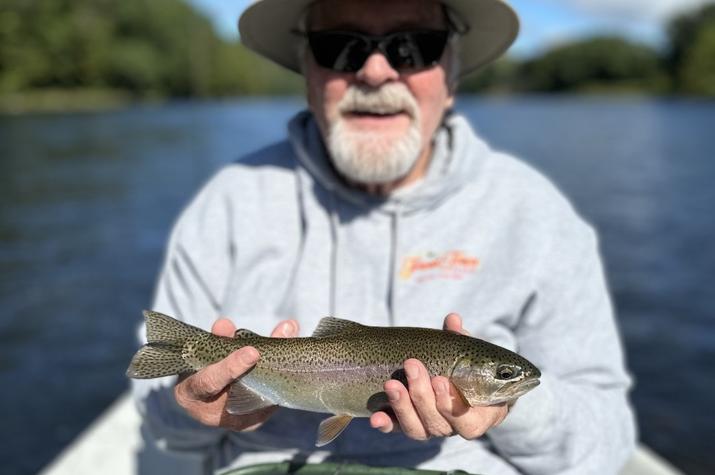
[377, 123]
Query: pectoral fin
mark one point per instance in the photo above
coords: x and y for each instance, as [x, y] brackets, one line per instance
[244, 400]
[330, 428]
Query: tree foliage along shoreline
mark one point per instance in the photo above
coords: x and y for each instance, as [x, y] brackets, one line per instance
[145, 49]
[614, 64]
[690, 59]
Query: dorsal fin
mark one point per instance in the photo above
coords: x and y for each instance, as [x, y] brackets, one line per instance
[243, 333]
[331, 326]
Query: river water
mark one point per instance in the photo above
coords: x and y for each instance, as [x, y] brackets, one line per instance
[87, 200]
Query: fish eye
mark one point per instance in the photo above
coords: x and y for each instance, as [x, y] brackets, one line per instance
[507, 372]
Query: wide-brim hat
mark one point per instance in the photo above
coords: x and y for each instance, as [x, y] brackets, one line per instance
[268, 28]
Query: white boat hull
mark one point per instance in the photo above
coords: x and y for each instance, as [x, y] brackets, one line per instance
[111, 443]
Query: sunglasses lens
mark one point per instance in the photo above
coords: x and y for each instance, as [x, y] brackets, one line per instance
[343, 52]
[415, 50]
[346, 51]
[431, 45]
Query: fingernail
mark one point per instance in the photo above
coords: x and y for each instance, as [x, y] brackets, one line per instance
[393, 396]
[249, 356]
[441, 387]
[412, 371]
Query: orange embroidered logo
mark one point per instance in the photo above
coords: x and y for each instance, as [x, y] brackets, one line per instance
[450, 265]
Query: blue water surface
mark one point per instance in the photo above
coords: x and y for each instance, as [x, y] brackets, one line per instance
[87, 201]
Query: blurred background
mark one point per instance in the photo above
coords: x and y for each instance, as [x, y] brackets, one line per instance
[113, 113]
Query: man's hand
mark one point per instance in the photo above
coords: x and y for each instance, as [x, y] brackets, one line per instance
[203, 394]
[432, 406]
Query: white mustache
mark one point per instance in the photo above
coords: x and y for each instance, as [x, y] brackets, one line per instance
[389, 98]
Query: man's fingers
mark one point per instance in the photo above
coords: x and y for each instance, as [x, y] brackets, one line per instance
[423, 398]
[453, 322]
[383, 422]
[286, 329]
[469, 422]
[223, 327]
[212, 380]
[449, 403]
[407, 417]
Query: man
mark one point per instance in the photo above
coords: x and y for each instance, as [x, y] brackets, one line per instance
[384, 207]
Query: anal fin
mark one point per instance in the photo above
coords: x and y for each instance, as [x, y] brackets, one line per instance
[244, 400]
[330, 428]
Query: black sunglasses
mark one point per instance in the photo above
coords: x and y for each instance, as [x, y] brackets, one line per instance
[347, 51]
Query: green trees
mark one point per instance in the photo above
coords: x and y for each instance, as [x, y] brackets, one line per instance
[594, 64]
[612, 64]
[146, 49]
[601, 64]
[691, 58]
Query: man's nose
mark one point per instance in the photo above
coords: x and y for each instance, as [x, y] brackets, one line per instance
[376, 70]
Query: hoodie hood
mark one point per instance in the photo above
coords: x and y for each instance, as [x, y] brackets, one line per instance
[457, 157]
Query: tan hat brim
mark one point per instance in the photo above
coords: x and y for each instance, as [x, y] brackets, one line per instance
[267, 27]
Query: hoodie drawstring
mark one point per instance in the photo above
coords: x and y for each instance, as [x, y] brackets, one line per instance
[334, 219]
[286, 305]
[394, 270]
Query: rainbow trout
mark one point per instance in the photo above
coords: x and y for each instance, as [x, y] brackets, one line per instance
[339, 370]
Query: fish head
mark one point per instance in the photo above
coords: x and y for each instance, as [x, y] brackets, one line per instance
[493, 375]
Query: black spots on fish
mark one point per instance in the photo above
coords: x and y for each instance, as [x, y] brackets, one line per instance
[279, 359]
[169, 349]
[163, 329]
[372, 347]
[286, 379]
[155, 360]
[207, 348]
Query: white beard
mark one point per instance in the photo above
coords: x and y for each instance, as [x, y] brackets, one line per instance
[372, 157]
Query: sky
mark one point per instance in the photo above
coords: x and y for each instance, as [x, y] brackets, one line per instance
[544, 23]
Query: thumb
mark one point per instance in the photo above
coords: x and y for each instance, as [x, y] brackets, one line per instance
[213, 379]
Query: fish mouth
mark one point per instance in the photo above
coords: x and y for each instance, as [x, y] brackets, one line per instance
[512, 391]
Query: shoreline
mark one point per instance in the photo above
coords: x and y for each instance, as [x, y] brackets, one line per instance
[61, 101]
[65, 100]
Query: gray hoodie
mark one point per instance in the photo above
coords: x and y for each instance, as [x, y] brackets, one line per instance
[278, 235]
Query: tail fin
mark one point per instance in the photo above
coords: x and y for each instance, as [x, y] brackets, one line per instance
[162, 355]
[165, 330]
